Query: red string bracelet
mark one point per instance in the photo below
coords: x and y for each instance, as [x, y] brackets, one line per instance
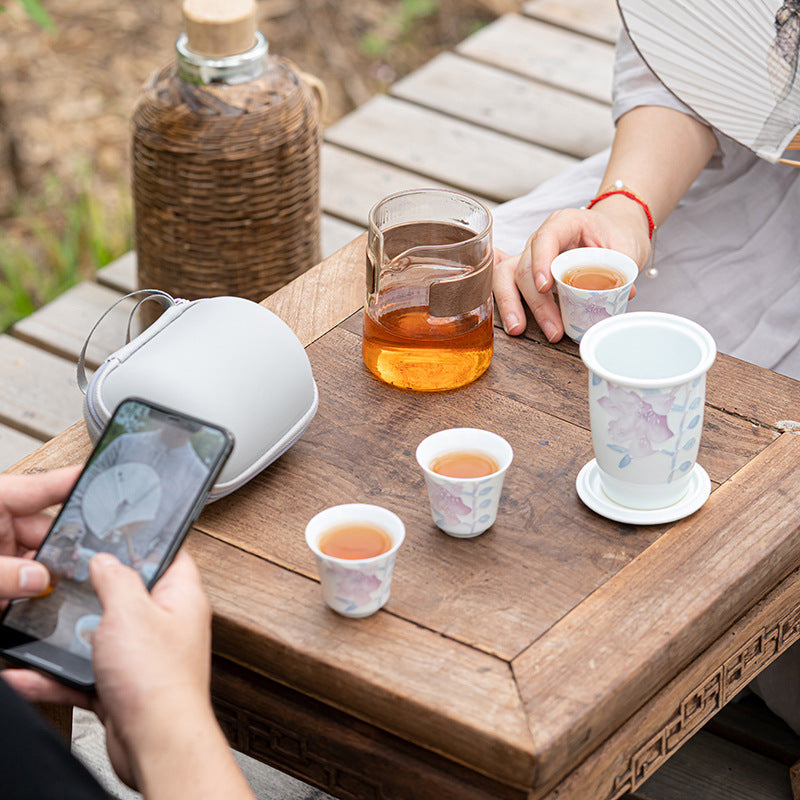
[620, 188]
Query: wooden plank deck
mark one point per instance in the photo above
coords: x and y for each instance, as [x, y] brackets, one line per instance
[514, 104]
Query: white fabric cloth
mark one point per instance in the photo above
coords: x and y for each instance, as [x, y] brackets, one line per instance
[728, 257]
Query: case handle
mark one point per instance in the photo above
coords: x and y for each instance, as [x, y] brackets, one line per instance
[166, 300]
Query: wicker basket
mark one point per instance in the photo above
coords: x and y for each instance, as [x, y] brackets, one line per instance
[226, 183]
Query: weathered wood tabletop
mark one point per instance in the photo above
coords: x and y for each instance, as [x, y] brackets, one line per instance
[559, 654]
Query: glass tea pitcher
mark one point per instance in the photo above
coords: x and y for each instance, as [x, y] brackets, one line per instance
[428, 317]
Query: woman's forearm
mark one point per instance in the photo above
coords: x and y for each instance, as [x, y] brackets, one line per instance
[658, 152]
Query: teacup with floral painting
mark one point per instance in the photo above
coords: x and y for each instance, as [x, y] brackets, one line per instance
[647, 377]
[465, 506]
[583, 307]
[355, 587]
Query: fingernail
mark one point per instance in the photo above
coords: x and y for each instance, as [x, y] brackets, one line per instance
[33, 578]
[104, 560]
[510, 321]
[550, 331]
[540, 282]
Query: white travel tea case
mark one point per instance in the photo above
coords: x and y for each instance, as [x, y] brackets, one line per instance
[226, 360]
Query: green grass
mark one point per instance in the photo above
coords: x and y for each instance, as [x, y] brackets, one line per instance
[398, 23]
[36, 11]
[54, 241]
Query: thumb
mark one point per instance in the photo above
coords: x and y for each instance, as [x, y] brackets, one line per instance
[22, 577]
[114, 583]
[180, 587]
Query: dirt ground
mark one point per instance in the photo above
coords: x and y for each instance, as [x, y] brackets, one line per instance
[66, 96]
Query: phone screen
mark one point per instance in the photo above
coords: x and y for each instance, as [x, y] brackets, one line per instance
[145, 482]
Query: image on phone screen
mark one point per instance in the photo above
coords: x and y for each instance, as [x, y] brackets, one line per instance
[136, 497]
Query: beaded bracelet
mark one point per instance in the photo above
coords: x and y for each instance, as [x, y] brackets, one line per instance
[619, 187]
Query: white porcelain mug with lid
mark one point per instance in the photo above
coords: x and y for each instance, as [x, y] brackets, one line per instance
[647, 377]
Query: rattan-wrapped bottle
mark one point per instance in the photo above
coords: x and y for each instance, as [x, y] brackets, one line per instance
[226, 144]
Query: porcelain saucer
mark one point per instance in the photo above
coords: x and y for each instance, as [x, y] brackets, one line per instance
[592, 494]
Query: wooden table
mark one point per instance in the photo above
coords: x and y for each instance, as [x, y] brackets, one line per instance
[559, 655]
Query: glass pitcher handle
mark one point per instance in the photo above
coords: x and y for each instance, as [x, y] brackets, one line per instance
[451, 297]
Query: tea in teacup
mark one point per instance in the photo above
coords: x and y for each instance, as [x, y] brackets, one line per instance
[464, 464]
[594, 277]
[593, 283]
[464, 470]
[355, 545]
[355, 540]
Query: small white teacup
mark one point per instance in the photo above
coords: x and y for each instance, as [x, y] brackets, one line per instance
[355, 587]
[461, 506]
[582, 308]
[647, 378]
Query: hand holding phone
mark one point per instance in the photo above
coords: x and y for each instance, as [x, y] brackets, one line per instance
[136, 498]
[152, 666]
[152, 683]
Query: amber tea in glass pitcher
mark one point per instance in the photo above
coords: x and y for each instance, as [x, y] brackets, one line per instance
[428, 317]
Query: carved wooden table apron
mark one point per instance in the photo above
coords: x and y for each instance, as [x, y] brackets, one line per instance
[559, 654]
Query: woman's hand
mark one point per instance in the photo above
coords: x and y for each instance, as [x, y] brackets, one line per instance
[616, 222]
[659, 152]
[152, 659]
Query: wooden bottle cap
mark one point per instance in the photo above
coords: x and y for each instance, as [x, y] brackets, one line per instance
[219, 28]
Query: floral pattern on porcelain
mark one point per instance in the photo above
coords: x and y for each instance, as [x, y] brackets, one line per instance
[450, 508]
[637, 421]
[464, 509]
[581, 311]
[643, 423]
[356, 590]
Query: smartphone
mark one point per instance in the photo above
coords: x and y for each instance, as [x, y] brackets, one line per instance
[144, 484]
